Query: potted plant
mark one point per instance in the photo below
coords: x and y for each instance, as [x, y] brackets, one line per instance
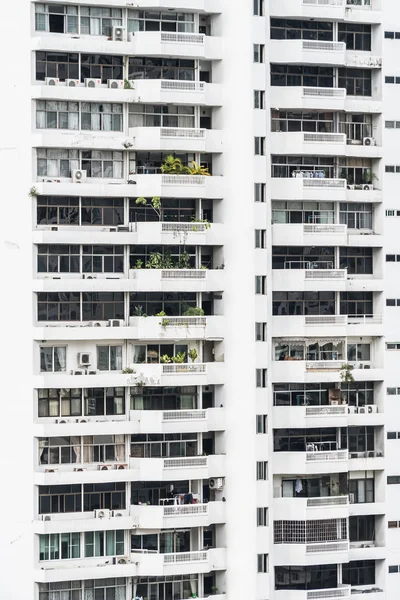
[369, 176]
[346, 374]
[179, 357]
[192, 354]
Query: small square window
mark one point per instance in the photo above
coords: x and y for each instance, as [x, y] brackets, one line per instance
[393, 568]
[389, 169]
[261, 284]
[261, 378]
[389, 124]
[397, 35]
[391, 391]
[259, 192]
[393, 524]
[258, 8]
[261, 424]
[390, 258]
[261, 332]
[387, 79]
[390, 302]
[392, 435]
[389, 35]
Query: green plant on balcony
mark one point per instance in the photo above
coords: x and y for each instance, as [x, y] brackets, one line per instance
[155, 261]
[162, 313]
[128, 371]
[127, 85]
[369, 176]
[179, 357]
[214, 590]
[164, 323]
[192, 354]
[205, 222]
[184, 261]
[196, 169]
[155, 204]
[346, 374]
[194, 311]
[138, 311]
[165, 359]
[33, 192]
[174, 166]
[138, 264]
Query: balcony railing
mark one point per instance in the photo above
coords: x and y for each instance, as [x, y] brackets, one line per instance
[366, 454]
[181, 557]
[185, 463]
[182, 38]
[326, 501]
[322, 365]
[182, 86]
[179, 227]
[186, 509]
[183, 274]
[183, 180]
[324, 46]
[364, 320]
[324, 2]
[182, 132]
[321, 182]
[184, 415]
[322, 92]
[326, 274]
[327, 547]
[324, 456]
[326, 411]
[339, 592]
[325, 320]
[184, 368]
[330, 138]
[184, 321]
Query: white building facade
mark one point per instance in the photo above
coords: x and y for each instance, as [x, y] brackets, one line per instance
[206, 192]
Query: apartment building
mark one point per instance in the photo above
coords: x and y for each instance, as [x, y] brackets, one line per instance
[207, 193]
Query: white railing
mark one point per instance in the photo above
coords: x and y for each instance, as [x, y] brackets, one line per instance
[327, 501]
[180, 557]
[196, 227]
[182, 86]
[339, 592]
[184, 322]
[323, 92]
[316, 182]
[182, 38]
[185, 463]
[324, 2]
[366, 454]
[325, 320]
[185, 509]
[327, 547]
[184, 368]
[183, 180]
[324, 228]
[326, 411]
[182, 132]
[320, 365]
[324, 46]
[322, 456]
[365, 320]
[330, 138]
[325, 274]
[183, 274]
[184, 415]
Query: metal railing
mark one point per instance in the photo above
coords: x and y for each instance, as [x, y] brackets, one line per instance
[183, 274]
[325, 274]
[185, 463]
[182, 38]
[320, 365]
[330, 138]
[324, 46]
[326, 411]
[184, 322]
[307, 264]
[325, 320]
[324, 2]
[323, 92]
[321, 182]
[184, 368]
[182, 132]
[327, 501]
[364, 319]
[339, 592]
[323, 456]
[324, 228]
[184, 415]
[186, 509]
[183, 180]
[177, 227]
[327, 547]
[182, 86]
[180, 557]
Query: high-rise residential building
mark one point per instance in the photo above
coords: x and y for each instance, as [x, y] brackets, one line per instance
[201, 366]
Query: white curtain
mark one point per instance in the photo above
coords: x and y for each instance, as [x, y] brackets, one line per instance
[41, 119]
[107, 125]
[76, 444]
[95, 26]
[117, 170]
[60, 357]
[73, 120]
[52, 169]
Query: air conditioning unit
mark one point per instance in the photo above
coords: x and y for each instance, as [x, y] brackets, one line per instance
[92, 83]
[369, 141]
[93, 372]
[46, 518]
[354, 455]
[72, 82]
[216, 484]
[367, 186]
[52, 81]
[84, 359]
[77, 469]
[121, 466]
[103, 467]
[50, 470]
[102, 513]
[62, 421]
[352, 409]
[371, 408]
[362, 410]
[350, 186]
[81, 421]
[121, 560]
[118, 34]
[352, 498]
[371, 454]
[95, 324]
[78, 176]
[86, 276]
[116, 323]
[117, 514]
[116, 84]
[78, 372]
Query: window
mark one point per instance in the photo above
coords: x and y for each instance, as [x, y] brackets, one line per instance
[261, 332]
[99, 21]
[392, 435]
[392, 79]
[101, 66]
[262, 517]
[258, 8]
[261, 424]
[51, 114]
[262, 471]
[393, 480]
[260, 238]
[262, 563]
[359, 572]
[312, 577]
[53, 359]
[56, 18]
[283, 121]
[392, 124]
[261, 378]
[259, 146]
[57, 64]
[66, 402]
[104, 543]
[102, 211]
[393, 525]
[172, 209]
[302, 166]
[390, 301]
[161, 68]
[303, 257]
[302, 212]
[104, 401]
[104, 495]
[58, 258]
[60, 499]
[303, 303]
[163, 115]
[66, 590]
[261, 284]
[357, 82]
[102, 306]
[259, 99]
[58, 546]
[259, 192]
[59, 306]
[298, 75]
[393, 346]
[162, 445]
[180, 256]
[355, 35]
[362, 528]
[167, 398]
[103, 259]
[393, 568]
[289, 29]
[104, 589]
[57, 210]
[56, 163]
[356, 216]
[355, 304]
[303, 532]
[299, 440]
[259, 53]
[140, 20]
[103, 163]
[97, 116]
[109, 358]
[357, 261]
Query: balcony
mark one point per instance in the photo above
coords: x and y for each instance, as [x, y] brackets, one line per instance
[323, 276]
[369, 550]
[312, 553]
[304, 509]
[310, 416]
[174, 469]
[177, 421]
[286, 371]
[309, 234]
[342, 592]
[372, 460]
[311, 462]
[172, 517]
[320, 98]
[321, 144]
[133, 565]
[308, 9]
[308, 52]
[165, 186]
[181, 138]
[171, 328]
[184, 45]
[326, 325]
